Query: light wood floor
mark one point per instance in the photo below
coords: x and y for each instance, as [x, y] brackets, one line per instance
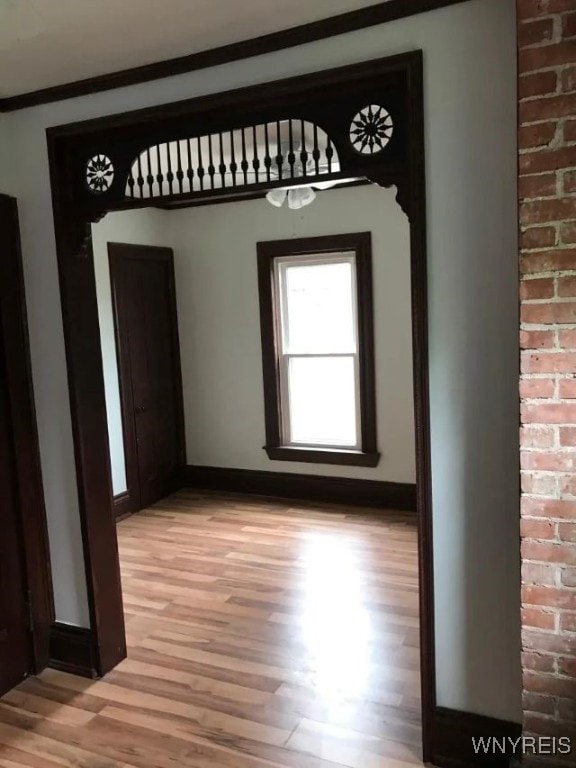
[261, 635]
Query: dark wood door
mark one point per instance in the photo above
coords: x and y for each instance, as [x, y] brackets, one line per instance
[15, 651]
[25, 581]
[144, 302]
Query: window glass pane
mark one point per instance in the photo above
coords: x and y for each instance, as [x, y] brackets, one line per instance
[322, 400]
[318, 313]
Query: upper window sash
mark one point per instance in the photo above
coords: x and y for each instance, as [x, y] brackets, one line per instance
[309, 346]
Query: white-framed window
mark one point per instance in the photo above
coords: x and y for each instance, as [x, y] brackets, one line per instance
[318, 354]
[318, 349]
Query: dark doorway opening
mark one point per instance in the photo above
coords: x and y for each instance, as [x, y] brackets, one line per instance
[140, 159]
[146, 328]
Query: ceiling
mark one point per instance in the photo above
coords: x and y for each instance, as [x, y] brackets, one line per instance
[51, 42]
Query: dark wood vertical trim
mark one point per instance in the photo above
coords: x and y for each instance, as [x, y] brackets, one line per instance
[419, 288]
[412, 198]
[88, 410]
[360, 244]
[269, 339]
[179, 391]
[365, 302]
[131, 499]
[14, 344]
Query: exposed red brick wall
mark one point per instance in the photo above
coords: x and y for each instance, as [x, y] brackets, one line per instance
[547, 190]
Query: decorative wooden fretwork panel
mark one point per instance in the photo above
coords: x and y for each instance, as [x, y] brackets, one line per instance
[282, 151]
[344, 125]
[99, 174]
[371, 129]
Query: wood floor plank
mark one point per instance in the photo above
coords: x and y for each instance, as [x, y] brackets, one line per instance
[261, 634]
[351, 748]
[45, 708]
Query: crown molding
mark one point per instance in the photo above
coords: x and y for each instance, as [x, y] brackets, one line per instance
[381, 13]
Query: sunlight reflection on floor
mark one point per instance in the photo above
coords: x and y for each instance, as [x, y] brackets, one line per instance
[336, 628]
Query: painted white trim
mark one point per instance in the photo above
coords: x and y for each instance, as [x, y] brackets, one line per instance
[281, 264]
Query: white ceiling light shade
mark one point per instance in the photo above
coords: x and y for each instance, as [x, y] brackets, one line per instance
[297, 197]
[277, 197]
[300, 197]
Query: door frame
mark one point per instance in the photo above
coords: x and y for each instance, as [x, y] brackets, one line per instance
[329, 99]
[130, 501]
[14, 345]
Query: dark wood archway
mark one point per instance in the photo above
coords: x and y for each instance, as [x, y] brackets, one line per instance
[366, 122]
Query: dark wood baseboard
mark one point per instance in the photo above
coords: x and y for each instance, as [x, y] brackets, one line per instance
[123, 505]
[72, 650]
[452, 739]
[288, 485]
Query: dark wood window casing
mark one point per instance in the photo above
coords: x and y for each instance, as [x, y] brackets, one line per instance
[360, 245]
